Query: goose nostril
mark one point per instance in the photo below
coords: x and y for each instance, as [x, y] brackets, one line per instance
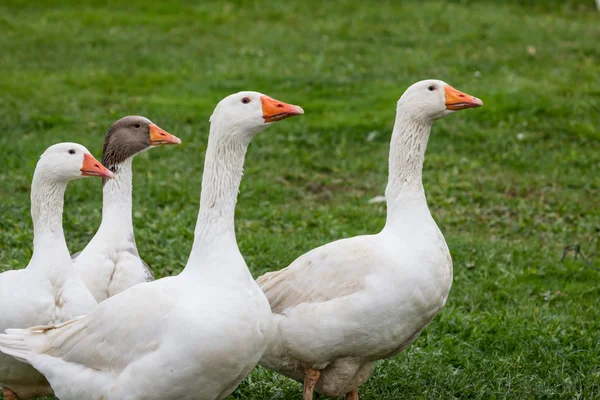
[97, 166]
[279, 105]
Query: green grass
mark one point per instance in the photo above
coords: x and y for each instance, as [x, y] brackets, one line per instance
[510, 184]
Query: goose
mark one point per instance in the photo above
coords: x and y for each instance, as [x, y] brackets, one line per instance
[110, 263]
[342, 306]
[191, 336]
[48, 290]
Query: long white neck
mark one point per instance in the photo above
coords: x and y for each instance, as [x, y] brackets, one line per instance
[223, 168]
[116, 203]
[47, 200]
[404, 190]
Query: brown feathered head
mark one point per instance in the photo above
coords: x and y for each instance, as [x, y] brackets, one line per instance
[132, 135]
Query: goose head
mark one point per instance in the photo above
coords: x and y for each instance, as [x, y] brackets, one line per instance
[247, 113]
[132, 135]
[68, 161]
[432, 99]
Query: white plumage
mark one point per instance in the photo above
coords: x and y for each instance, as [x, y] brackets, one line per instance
[344, 305]
[193, 336]
[110, 263]
[47, 291]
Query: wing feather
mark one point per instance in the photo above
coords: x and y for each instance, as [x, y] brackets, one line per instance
[325, 273]
[105, 339]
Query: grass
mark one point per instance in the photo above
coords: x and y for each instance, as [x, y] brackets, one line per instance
[510, 184]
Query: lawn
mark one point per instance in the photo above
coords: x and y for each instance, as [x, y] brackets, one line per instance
[510, 184]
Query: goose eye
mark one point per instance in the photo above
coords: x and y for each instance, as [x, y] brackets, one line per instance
[246, 100]
[431, 88]
[71, 151]
[138, 125]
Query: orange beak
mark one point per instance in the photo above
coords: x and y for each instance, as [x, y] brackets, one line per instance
[457, 100]
[275, 110]
[159, 136]
[91, 167]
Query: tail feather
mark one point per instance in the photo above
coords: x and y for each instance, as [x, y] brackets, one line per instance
[13, 344]
[44, 328]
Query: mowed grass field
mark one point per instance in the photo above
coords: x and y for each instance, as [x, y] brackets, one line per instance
[510, 184]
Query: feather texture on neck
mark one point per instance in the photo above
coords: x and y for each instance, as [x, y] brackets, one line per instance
[47, 200]
[117, 199]
[407, 154]
[223, 170]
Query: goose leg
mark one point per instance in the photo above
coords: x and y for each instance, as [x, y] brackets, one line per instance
[353, 395]
[311, 377]
[9, 394]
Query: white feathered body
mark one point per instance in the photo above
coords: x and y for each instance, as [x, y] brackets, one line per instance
[100, 356]
[47, 291]
[342, 306]
[29, 298]
[111, 264]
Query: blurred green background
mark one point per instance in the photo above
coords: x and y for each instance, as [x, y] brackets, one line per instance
[510, 184]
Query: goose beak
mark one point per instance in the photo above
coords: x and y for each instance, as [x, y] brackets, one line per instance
[159, 136]
[275, 110]
[457, 100]
[91, 167]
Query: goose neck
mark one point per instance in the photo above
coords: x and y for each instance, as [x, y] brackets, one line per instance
[407, 153]
[47, 200]
[117, 199]
[223, 168]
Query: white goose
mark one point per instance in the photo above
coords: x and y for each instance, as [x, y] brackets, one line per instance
[48, 290]
[192, 336]
[342, 306]
[110, 263]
